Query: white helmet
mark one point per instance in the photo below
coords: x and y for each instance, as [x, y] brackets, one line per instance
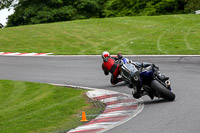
[105, 54]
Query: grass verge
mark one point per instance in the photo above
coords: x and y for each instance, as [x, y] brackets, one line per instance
[166, 34]
[35, 107]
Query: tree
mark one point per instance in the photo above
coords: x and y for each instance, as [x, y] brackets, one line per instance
[192, 5]
[1, 25]
[37, 11]
[45, 11]
[142, 7]
[7, 3]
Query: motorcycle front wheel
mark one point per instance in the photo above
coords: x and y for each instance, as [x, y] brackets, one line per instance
[162, 90]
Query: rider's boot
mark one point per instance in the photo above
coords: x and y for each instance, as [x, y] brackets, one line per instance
[115, 81]
[149, 93]
[142, 93]
[162, 77]
[130, 85]
[157, 72]
[136, 94]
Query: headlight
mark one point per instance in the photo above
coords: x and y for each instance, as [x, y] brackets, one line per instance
[167, 82]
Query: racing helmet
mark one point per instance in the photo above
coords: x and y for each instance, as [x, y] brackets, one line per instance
[105, 54]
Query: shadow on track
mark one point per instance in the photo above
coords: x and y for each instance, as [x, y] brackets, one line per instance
[156, 101]
[119, 85]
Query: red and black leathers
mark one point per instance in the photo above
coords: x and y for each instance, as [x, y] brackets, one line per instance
[110, 65]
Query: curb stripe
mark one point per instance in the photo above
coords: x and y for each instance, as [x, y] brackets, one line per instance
[40, 54]
[120, 108]
[95, 126]
[108, 119]
[87, 131]
[27, 54]
[111, 99]
[5, 53]
[116, 113]
[121, 101]
[107, 96]
[131, 107]
[23, 54]
[120, 104]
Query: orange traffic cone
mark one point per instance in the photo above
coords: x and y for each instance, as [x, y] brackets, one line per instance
[84, 116]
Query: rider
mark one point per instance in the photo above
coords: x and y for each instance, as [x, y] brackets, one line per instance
[111, 64]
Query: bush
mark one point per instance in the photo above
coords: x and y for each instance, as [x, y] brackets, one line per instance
[1, 26]
[36, 11]
[145, 7]
[192, 5]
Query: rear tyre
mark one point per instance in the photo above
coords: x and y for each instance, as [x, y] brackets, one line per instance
[162, 90]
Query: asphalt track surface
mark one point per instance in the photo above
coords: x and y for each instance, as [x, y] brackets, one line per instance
[179, 116]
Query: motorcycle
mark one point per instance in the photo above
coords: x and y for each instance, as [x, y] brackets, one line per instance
[145, 78]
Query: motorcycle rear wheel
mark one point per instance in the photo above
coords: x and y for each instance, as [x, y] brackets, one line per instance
[163, 91]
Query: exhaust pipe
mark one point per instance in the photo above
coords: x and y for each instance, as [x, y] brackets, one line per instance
[167, 82]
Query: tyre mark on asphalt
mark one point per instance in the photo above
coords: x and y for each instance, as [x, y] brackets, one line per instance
[163, 33]
[186, 36]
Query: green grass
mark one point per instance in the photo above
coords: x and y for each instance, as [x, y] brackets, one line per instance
[35, 107]
[167, 34]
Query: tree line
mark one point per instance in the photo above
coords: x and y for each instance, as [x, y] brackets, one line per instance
[46, 11]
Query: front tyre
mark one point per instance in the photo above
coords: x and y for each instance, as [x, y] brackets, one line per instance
[162, 90]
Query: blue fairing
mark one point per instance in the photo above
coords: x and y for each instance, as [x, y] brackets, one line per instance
[146, 74]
